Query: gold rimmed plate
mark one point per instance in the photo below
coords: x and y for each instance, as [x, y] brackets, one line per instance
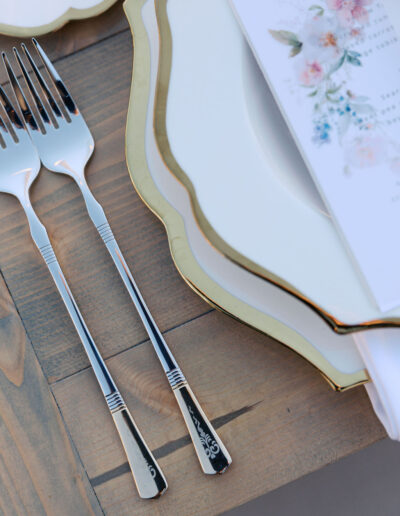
[221, 134]
[25, 18]
[219, 281]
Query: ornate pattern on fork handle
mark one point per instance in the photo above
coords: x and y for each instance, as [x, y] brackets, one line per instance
[211, 452]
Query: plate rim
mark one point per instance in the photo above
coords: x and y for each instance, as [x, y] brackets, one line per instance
[173, 222]
[160, 129]
[72, 13]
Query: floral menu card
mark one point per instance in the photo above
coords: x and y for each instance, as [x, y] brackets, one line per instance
[334, 68]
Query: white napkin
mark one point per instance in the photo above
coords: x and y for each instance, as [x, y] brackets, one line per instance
[380, 350]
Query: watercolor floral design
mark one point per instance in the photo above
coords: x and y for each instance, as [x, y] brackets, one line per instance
[322, 50]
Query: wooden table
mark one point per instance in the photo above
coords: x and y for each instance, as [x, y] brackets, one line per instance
[59, 452]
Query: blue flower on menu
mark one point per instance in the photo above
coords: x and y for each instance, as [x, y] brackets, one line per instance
[322, 132]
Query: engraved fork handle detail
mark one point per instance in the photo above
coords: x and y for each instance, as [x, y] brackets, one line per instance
[212, 454]
[148, 477]
[210, 450]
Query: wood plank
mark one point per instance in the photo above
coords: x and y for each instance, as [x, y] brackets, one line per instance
[99, 78]
[40, 472]
[275, 413]
[74, 36]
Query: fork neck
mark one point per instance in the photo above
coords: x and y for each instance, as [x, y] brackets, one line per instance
[77, 173]
[94, 209]
[38, 231]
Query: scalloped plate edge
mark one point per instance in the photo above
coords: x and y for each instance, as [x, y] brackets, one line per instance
[339, 326]
[182, 256]
[71, 14]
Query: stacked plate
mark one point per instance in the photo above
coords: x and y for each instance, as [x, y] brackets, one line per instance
[26, 18]
[209, 152]
[247, 228]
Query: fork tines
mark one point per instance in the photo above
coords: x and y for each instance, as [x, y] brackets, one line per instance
[11, 120]
[19, 95]
[62, 94]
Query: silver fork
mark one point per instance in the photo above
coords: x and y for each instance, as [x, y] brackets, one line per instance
[65, 147]
[20, 165]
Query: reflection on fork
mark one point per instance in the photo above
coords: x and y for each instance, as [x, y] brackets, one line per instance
[65, 145]
[20, 165]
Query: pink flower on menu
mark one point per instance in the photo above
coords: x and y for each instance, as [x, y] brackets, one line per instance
[311, 73]
[350, 11]
[356, 32]
[367, 151]
[322, 38]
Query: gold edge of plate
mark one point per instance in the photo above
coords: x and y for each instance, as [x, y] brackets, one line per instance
[212, 236]
[180, 250]
[71, 14]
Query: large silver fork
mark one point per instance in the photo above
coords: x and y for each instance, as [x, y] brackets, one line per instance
[20, 165]
[65, 147]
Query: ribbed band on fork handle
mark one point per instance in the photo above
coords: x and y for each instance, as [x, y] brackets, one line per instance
[149, 479]
[211, 452]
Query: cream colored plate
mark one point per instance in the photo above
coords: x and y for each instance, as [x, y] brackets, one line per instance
[25, 18]
[221, 282]
[250, 189]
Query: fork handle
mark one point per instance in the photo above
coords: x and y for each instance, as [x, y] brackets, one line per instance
[149, 478]
[212, 454]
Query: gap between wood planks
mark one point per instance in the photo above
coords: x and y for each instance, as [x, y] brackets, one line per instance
[172, 446]
[144, 341]
[33, 369]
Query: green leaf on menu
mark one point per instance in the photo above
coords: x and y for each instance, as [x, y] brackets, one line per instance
[317, 8]
[333, 90]
[288, 38]
[296, 50]
[312, 94]
[285, 36]
[330, 99]
[338, 64]
[353, 60]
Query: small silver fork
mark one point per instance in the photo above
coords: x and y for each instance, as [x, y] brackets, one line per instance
[20, 165]
[65, 146]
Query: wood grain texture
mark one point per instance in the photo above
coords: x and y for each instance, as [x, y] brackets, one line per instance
[274, 412]
[40, 472]
[74, 36]
[99, 78]
[276, 416]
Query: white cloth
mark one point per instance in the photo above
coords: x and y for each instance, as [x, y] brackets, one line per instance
[380, 350]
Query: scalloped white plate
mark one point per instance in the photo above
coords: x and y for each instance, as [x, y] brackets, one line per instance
[246, 175]
[35, 17]
[339, 350]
